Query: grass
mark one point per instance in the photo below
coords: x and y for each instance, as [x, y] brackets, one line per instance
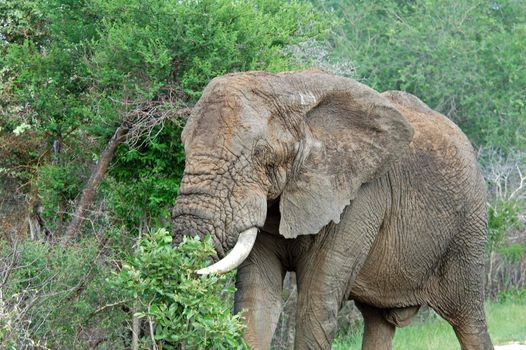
[506, 323]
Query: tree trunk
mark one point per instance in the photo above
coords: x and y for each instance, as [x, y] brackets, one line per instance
[88, 194]
[135, 330]
[57, 161]
[34, 228]
[37, 225]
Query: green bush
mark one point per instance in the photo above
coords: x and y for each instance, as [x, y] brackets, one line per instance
[58, 185]
[72, 298]
[463, 58]
[512, 252]
[72, 71]
[144, 181]
[503, 216]
[185, 308]
[51, 296]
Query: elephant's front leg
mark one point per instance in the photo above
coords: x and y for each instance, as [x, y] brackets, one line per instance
[259, 285]
[322, 288]
[327, 269]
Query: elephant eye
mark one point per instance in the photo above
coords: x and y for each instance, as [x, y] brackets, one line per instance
[258, 152]
[262, 153]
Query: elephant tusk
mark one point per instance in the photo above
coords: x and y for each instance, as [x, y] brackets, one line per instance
[237, 255]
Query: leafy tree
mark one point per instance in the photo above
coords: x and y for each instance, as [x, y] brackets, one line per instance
[463, 58]
[72, 71]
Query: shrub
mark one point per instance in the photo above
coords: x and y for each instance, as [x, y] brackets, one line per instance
[463, 58]
[49, 297]
[503, 216]
[186, 309]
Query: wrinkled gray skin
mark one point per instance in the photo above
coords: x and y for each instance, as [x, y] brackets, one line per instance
[367, 196]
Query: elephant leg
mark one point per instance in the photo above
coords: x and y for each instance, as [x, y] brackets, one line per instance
[378, 332]
[469, 326]
[320, 296]
[259, 284]
[458, 295]
[328, 268]
[315, 319]
[468, 322]
[477, 338]
[323, 284]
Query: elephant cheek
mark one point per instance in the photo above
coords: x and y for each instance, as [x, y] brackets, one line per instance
[250, 213]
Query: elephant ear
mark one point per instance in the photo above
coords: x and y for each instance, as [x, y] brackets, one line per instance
[352, 135]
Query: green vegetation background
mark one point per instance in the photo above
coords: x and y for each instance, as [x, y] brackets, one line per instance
[71, 71]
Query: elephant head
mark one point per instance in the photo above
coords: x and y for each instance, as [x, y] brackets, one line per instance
[306, 139]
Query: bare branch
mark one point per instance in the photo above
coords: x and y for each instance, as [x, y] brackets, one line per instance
[147, 118]
[107, 306]
[504, 174]
[7, 270]
[152, 333]
[148, 121]
[520, 187]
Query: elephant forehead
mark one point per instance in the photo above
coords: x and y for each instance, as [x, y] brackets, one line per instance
[227, 120]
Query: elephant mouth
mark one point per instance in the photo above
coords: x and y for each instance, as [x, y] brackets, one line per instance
[236, 256]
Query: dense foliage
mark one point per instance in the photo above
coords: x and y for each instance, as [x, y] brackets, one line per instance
[86, 66]
[464, 58]
[49, 297]
[72, 298]
[72, 71]
[186, 308]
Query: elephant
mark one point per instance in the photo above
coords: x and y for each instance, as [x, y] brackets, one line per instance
[367, 196]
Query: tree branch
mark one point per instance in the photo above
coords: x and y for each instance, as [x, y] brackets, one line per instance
[95, 179]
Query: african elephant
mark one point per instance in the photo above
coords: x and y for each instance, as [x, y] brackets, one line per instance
[366, 196]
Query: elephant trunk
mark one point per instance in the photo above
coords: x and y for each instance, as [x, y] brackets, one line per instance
[232, 224]
[237, 255]
[220, 196]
